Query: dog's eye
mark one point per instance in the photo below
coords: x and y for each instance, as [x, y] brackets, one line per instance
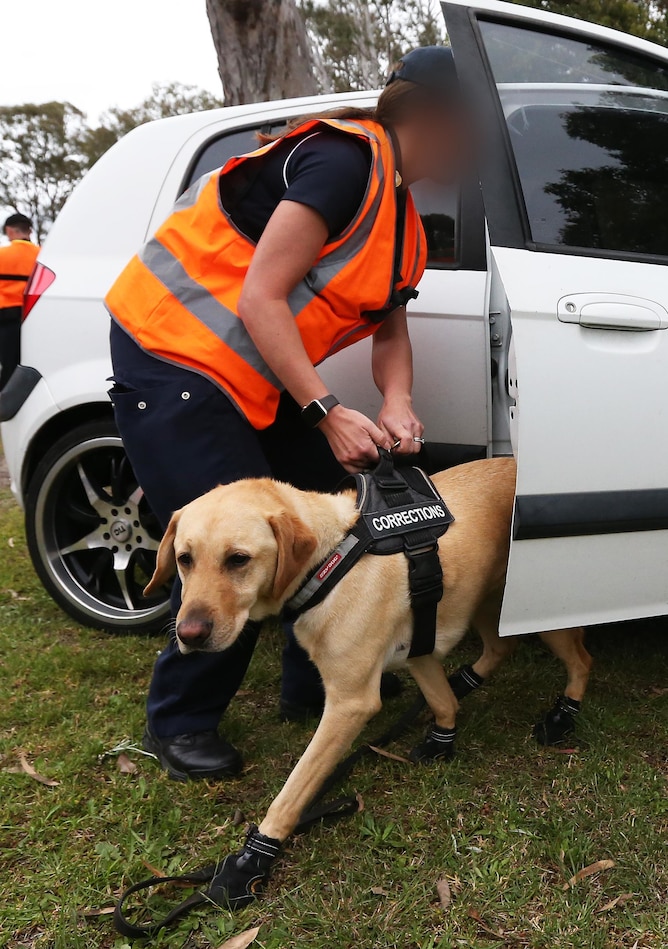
[237, 560]
[185, 560]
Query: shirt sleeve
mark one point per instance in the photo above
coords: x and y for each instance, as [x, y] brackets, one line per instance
[329, 172]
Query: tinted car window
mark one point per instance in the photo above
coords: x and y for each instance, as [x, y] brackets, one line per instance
[594, 177]
[437, 205]
[219, 150]
[588, 126]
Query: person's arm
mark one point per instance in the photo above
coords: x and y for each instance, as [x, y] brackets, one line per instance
[290, 243]
[392, 362]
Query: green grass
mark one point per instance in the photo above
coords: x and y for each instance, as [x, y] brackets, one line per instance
[506, 824]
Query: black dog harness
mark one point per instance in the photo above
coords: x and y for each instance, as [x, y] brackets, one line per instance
[400, 511]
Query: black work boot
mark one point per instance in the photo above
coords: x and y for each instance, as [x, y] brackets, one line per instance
[194, 757]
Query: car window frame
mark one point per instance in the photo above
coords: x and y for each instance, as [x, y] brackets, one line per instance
[507, 216]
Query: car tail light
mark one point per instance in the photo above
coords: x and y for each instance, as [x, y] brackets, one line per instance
[40, 279]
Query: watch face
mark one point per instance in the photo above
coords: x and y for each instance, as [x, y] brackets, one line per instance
[314, 413]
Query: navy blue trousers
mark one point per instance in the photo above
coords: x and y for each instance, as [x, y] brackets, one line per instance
[184, 436]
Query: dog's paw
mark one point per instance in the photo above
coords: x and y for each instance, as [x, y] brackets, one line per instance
[242, 876]
[438, 745]
[464, 681]
[559, 722]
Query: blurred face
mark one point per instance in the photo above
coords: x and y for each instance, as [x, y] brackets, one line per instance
[442, 142]
[15, 234]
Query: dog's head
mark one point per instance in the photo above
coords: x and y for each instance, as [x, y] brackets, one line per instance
[238, 550]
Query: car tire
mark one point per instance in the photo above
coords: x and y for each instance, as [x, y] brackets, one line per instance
[91, 534]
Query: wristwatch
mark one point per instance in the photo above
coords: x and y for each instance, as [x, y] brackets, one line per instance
[318, 409]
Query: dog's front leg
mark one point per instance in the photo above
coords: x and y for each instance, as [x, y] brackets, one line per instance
[439, 742]
[343, 719]
[242, 875]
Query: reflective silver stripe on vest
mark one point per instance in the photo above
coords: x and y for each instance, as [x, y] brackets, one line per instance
[225, 324]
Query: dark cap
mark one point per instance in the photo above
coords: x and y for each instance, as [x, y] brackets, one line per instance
[429, 66]
[18, 220]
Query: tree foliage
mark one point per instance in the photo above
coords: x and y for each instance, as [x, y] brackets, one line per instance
[46, 148]
[166, 99]
[40, 158]
[359, 40]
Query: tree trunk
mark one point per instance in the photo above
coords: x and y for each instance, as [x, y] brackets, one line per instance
[263, 50]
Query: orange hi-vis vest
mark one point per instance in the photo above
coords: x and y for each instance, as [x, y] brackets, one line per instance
[16, 263]
[178, 298]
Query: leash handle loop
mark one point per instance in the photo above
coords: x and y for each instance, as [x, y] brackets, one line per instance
[126, 928]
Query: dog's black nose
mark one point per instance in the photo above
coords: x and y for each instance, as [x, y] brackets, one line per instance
[193, 631]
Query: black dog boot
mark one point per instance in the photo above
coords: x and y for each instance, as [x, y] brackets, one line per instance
[464, 681]
[438, 745]
[242, 875]
[559, 723]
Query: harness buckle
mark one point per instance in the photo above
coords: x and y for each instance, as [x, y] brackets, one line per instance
[425, 574]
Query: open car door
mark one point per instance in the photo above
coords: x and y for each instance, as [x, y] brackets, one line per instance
[574, 171]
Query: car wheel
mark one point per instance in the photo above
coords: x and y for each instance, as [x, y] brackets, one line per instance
[91, 534]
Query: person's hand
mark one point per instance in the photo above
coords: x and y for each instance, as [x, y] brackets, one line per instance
[353, 438]
[400, 423]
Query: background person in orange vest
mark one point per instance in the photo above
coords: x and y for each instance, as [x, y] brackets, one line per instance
[16, 263]
[263, 269]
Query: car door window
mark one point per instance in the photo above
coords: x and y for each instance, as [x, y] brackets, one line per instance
[438, 205]
[588, 129]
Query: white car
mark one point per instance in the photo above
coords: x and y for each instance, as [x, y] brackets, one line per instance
[541, 327]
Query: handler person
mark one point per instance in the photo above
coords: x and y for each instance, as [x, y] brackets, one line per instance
[264, 269]
[16, 263]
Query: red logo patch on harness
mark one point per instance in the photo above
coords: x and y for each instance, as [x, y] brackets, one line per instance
[329, 566]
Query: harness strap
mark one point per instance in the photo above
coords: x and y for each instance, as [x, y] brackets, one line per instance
[327, 574]
[425, 579]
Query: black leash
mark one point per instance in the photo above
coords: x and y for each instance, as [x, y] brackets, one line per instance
[264, 850]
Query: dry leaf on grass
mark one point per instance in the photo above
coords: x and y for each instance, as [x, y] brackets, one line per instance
[388, 754]
[28, 769]
[379, 891]
[238, 819]
[444, 893]
[90, 913]
[618, 901]
[153, 870]
[360, 803]
[589, 871]
[125, 765]
[241, 940]
[474, 914]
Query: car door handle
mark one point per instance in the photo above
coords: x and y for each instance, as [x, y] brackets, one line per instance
[612, 311]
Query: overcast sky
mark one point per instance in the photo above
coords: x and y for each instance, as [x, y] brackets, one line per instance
[100, 54]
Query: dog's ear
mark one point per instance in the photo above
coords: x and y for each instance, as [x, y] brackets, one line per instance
[165, 564]
[296, 543]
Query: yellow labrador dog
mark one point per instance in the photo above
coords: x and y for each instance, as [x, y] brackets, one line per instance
[242, 551]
